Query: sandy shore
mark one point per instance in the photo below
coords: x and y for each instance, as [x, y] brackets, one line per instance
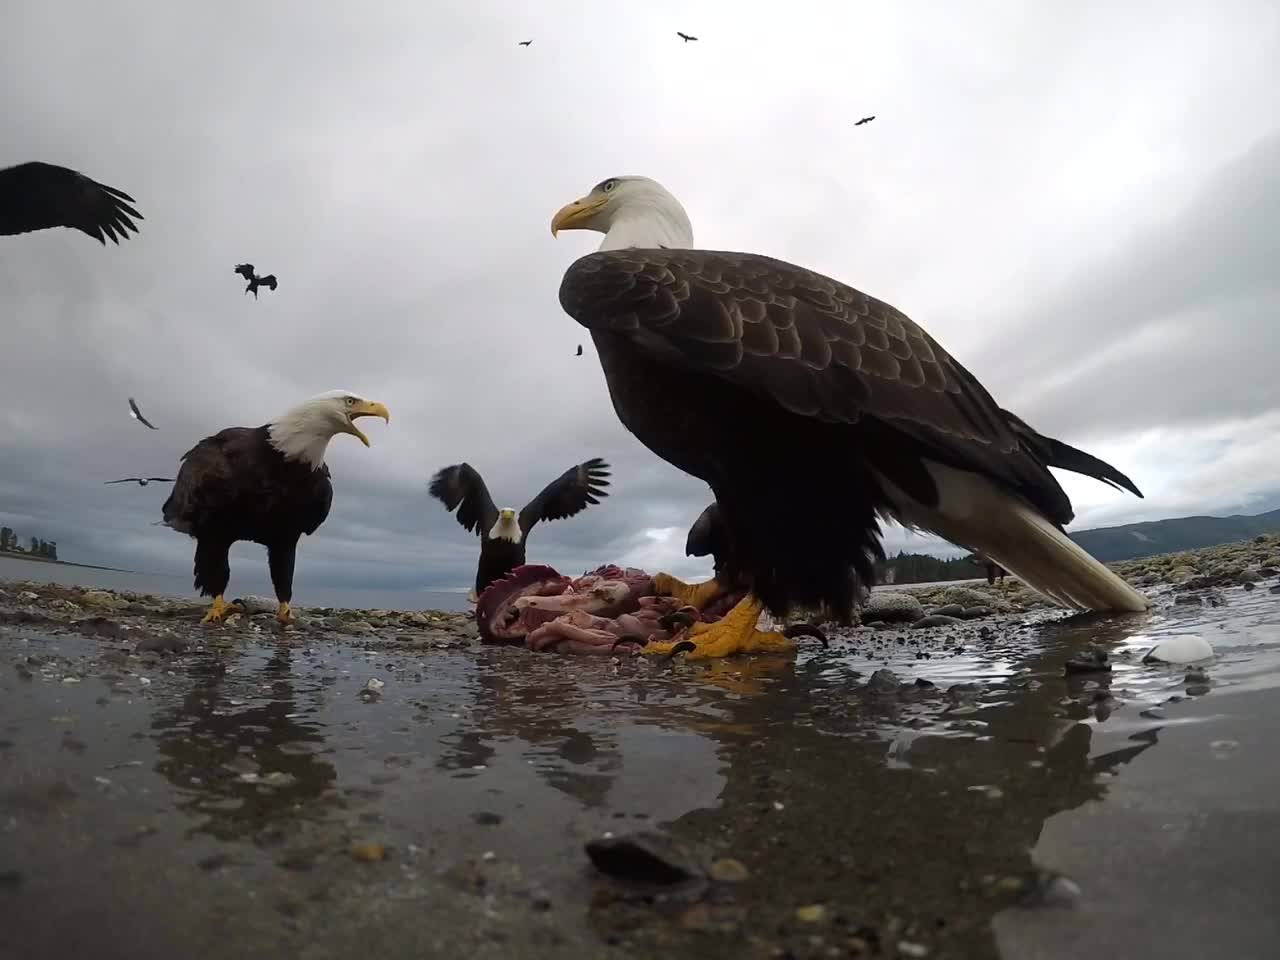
[937, 784]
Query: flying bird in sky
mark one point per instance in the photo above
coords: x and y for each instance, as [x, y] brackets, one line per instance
[246, 270]
[713, 357]
[525, 43]
[141, 481]
[579, 353]
[38, 196]
[504, 533]
[268, 485]
[137, 415]
[685, 37]
[864, 120]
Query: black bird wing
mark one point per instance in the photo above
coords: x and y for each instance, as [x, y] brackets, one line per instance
[37, 196]
[864, 120]
[160, 479]
[706, 536]
[1066, 457]
[268, 281]
[571, 492]
[138, 413]
[245, 270]
[816, 348]
[525, 43]
[125, 480]
[460, 487]
[684, 36]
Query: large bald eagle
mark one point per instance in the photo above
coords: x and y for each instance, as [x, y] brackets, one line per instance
[714, 358]
[504, 533]
[38, 196]
[266, 484]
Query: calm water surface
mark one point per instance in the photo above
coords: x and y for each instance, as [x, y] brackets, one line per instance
[205, 805]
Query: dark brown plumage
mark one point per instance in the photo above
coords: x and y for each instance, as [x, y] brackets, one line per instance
[246, 270]
[712, 357]
[39, 196]
[235, 486]
[460, 487]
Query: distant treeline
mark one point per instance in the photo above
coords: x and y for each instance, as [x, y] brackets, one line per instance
[922, 568]
[35, 547]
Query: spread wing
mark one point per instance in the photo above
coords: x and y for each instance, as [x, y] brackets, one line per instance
[37, 196]
[268, 281]
[125, 480]
[159, 479]
[571, 492]
[811, 344]
[460, 487]
[245, 270]
[138, 413]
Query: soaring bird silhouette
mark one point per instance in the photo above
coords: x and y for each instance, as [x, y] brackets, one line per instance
[864, 120]
[246, 270]
[38, 196]
[525, 43]
[685, 37]
[141, 481]
[137, 415]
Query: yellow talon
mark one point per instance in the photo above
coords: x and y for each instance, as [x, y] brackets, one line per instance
[283, 614]
[694, 594]
[217, 610]
[735, 633]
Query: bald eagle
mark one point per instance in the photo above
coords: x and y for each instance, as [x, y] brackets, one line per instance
[713, 358]
[38, 196]
[267, 484]
[504, 534]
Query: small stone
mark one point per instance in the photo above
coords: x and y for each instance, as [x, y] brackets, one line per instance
[358, 626]
[948, 610]
[813, 913]
[908, 949]
[1093, 660]
[883, 680]
[369, 852]
[1152, 713]
[891, 606]
[935, 620]
[1196, 675]
[486, 819]
[728, 870]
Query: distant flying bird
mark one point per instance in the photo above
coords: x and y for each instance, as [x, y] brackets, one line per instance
[38, 196]
[761, 352]
[579, 353]
[525, 43]
[864, 120]
[137, 415]
[685, 37]
[141, 481]
[246, 270]
[266, 484]
[505, 533]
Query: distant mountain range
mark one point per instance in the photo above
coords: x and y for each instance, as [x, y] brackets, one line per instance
[1132, 540]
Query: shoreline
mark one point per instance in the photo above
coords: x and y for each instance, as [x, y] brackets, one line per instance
[7, 554]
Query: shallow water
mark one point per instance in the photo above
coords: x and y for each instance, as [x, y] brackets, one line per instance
[209, 811]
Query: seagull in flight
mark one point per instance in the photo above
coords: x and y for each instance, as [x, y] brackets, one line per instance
[137, 415]
[864, 120]
[142, 481]
[525, 43]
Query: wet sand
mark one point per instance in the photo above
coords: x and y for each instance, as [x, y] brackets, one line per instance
[231, 798]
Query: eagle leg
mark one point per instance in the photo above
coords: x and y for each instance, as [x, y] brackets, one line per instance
[218, 610]
[691, 594]
[735, 633]
[282, 612]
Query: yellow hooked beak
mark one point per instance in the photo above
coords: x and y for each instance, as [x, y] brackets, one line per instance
[572, 216]
[365, 408]
[507, 514]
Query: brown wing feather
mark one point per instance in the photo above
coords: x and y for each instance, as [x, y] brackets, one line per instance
[815, 346]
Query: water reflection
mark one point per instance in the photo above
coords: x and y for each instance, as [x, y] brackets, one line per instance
[237, 751]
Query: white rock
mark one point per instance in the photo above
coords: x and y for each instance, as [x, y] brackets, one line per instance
[374, 685]
[1182, 648]
[893, 606]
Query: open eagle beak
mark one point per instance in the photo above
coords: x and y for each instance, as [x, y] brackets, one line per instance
[365, 408]
[572, 215]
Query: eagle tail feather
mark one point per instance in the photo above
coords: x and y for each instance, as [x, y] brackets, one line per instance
[973, 512]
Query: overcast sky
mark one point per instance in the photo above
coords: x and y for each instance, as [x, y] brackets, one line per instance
[1078, 201]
